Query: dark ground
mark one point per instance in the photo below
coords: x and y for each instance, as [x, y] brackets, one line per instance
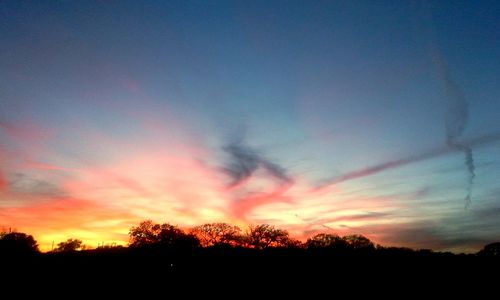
[251, 272]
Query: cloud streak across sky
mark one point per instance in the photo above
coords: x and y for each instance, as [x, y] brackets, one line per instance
[107, 119]
[187, 185]
[385, 166]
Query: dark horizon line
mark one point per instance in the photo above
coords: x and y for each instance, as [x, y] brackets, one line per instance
[239, 239]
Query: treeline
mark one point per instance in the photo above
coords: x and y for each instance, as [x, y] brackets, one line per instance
[227, 235]
[222, 236]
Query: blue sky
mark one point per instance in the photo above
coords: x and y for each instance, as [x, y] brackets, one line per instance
[114, 97]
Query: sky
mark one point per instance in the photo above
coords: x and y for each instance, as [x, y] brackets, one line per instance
[350, 117]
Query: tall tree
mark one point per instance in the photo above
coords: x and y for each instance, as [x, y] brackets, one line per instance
[144, 234]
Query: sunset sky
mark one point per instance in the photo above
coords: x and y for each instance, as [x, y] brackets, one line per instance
[367, 117]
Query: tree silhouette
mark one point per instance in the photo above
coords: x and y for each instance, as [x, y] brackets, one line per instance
[144, 234]
[326, 240]
[265, 235]
[218, 234]
[149, 233]
[359, 242]
[292, 243]
[492, 249]
[17, 243]
[69, 245]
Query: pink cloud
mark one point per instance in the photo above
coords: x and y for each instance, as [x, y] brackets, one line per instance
[26, 131]
[131, 85]
[23, 143]
[243, 206]
[48, 167]
[3, 182]
[168, 177]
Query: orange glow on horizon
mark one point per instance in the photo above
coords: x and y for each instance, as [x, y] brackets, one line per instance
[168, 182]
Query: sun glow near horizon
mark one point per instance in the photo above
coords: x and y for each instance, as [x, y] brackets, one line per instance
[320, 117]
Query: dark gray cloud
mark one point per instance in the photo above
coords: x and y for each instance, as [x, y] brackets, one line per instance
[21, 183]
[244, 161]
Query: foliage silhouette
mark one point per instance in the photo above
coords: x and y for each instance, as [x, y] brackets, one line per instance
[218, 234]
[265, 235]
[149, 234]
[171, 251]
[327, 241]
[359, 242]
[17, 243]
[492, 249]
[69, 245]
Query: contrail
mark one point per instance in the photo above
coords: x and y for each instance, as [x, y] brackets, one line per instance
[313, 224]
[393, 164]
[457, 113]
[457, 116]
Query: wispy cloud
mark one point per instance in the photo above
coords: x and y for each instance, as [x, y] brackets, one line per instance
[244, 161]
[393, 164]
[246, 167]
[179, 181]
[3, 181]
[24, 184]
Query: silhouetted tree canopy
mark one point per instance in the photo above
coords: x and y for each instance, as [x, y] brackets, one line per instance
[359, 242]
[17, 243]
[149, 233]
[265, 235]
[69, 245]
[293, 243]
[492, 249]
[326, 240]
[218, 234]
